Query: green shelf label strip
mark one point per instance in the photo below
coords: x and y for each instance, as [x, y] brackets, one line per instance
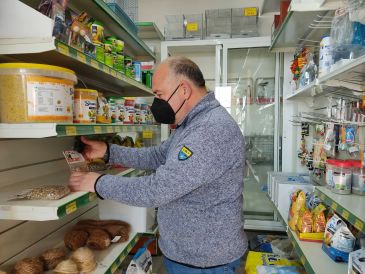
[74, 205]
[84, 129]
[346, 214]
[114, 267]
[300, 253]
[85, 59]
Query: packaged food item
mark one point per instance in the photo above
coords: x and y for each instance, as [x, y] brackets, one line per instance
[357, 261]
[113, 109]
[79, 36]
[319, 219]
[137, 108]
[144, 113]
[97, 32]
[278, 269]
[75, 160]
[325, 56]
[85, 102]
[342, 177]
[52, 257]
[118, 44]
[298, 200]
[103, 110]
[305, 221]
[343, 240]
[36, 93]
[128, 66]
[108, 55]
[255, 259]
[329, 173]
[99, 52]
[118, 63]
[333, 224]
[358, 178]
[137, 71]
[129, 115]
[120, 111]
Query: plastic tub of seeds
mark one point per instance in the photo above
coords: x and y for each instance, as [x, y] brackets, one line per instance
[32, 93]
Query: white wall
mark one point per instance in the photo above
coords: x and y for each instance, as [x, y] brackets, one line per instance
[155, 10]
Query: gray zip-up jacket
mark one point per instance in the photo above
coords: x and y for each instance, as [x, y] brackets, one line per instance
[197, 186]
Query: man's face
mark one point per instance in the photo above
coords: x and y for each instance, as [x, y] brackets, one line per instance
[164, 84]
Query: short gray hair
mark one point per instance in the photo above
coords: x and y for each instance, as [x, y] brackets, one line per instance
[184, 66]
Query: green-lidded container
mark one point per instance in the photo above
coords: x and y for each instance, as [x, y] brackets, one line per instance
[118, 63]
[99, 52]
[128, 66]
[118, 44]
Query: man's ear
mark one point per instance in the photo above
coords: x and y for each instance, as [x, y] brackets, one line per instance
[187, 89]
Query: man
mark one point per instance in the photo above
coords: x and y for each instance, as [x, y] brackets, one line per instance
[197, 185]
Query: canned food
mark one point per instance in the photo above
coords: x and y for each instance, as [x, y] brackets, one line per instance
[85, 106]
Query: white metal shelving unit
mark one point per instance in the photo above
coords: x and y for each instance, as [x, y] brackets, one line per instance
[43, 210]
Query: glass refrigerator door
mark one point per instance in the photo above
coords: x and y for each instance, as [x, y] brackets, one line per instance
[249, 96]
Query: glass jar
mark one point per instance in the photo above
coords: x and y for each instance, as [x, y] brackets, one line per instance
[342, 177]
[358, 178]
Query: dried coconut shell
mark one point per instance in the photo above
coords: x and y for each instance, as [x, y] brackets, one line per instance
[75, 239]
[53, 257]
[85, 259]
[98, 239]
[66, 267]
[28, 266]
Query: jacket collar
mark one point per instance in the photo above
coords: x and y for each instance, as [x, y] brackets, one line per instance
[207, 103]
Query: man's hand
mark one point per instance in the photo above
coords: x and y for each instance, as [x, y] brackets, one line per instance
[83, 181]
[93, 149]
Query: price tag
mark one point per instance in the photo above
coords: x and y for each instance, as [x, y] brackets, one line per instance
[71, 207]
[250, 11]
[114, 267]
[147, 134]
[81, 57]
[109, 129]
[302, 259]
[92, 196]
[71, 131]
[94, 64]
[334, 206]
[192, 27]
[345, 214]
[359, 225]
[97, 129]
[63, 49]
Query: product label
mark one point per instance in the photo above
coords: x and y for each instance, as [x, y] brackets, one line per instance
[49, 99]
[342, 181]
[85, 111]
[192, 27]
[250, 11]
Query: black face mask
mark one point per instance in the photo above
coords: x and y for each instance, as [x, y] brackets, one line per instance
[163, 112]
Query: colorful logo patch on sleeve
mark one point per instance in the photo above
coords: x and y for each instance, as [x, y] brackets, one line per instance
[185, 153]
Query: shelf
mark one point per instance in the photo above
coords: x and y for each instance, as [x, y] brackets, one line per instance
[110, 259]
[313, 257]
[349, 207]
[306, 91]
[149, 30]
[41, 210]
[42, 130]
[294, 30]
[95, 74]
[351, 75]
[99, 10]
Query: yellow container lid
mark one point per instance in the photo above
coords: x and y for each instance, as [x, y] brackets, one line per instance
[35, 66]
[86, 90]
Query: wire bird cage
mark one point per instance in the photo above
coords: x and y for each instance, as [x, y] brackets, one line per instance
[260, 148]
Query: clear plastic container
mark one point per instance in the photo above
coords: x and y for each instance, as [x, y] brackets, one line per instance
[244, 22]
[329, 173]
[174, 27]
[358, 178]
[342, 177]
[32, 93]
[85, 104]
[193, 26]
[218, 23]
